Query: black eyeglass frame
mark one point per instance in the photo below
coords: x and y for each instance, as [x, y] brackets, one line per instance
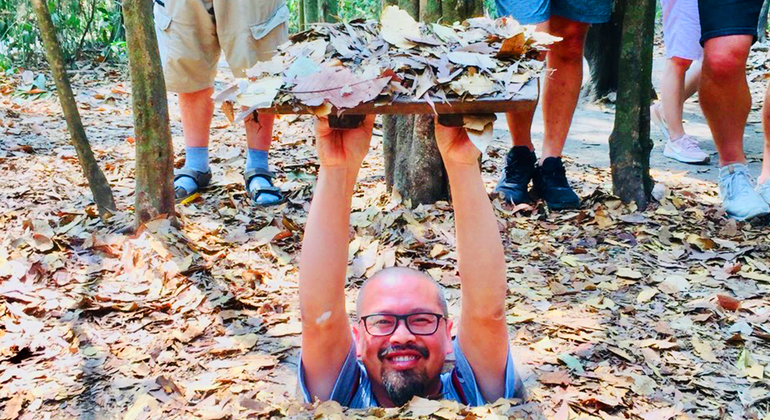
[403, 318]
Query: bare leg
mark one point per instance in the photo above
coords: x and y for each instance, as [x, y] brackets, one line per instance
[673, 95]
[197, 109]
[766, 127]
[520, 123]
[724, 94]
[259, 134]
[692, 79]
[562, 88]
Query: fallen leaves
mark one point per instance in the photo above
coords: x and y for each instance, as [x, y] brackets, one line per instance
[398, 27]
[360, 62]
[201, 322]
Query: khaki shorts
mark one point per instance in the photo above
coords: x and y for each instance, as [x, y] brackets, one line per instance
[191, 34]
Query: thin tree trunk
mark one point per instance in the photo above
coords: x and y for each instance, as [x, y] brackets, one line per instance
[328, 10]
[762, 27]
[100, 188]
[602, 50]
[302, 22]
[413, 165]
[154, 152]
[630, 143]
[311, 11]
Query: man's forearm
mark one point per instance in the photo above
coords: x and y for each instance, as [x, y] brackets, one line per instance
[479, 246]
[323, 262]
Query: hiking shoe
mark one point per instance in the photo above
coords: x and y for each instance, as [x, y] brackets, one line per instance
[763, 190]
[739, 198]
[519, 167]
[550, 182]
[656, 115]
[685, 149]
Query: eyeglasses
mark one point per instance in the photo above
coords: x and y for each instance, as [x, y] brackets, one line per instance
[420, 323]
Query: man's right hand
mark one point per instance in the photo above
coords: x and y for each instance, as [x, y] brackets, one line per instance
[343, 148]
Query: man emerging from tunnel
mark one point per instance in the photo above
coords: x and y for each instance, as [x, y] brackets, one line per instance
[402, 332]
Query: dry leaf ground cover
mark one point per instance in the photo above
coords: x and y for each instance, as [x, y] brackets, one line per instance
[614, 313]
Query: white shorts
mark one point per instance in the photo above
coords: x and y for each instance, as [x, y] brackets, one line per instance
[681, 29]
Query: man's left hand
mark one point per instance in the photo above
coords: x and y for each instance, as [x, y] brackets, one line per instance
[455, 146]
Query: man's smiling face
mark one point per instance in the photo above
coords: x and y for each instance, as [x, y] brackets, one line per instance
[403, 364]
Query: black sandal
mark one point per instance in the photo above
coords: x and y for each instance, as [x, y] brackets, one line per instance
[272, 190]
[202, 180]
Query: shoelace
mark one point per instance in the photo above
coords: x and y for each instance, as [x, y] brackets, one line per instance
[734, 187]
[556, 176]
[688, 143]
[515, 173]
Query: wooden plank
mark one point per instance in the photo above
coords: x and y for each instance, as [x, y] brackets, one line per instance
[525, 99]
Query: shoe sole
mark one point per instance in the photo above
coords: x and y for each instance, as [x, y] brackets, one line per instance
[563, 206]
[669, 153]
[758, 212]
[499, 190]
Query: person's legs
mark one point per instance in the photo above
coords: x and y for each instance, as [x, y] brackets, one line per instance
[668, 115]
[189, 53]
[692, 79]
[197, 110]
[259, 135]
[265, 22]
[562, 87]
[724, 94]
[726, 102]
[672, 94]
[521, 159]
[764, 177]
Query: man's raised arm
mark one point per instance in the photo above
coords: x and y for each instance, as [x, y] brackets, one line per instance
[483, 333]
[326, 336]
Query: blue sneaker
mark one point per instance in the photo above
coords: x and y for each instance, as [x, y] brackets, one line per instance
[739, 198]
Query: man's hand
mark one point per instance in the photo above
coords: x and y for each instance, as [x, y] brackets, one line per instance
[343, 148]
[455, 146]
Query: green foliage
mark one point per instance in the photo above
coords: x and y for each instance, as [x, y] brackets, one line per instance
[367, 9]
[349, 9]
[85, 27]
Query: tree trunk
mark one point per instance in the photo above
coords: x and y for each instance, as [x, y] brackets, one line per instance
[301, 13]
[154, 152]
[413, 165]
[311, 11]
[762, 27]
[602, 50]
[630, 143]
[100, 188]
[328, 10]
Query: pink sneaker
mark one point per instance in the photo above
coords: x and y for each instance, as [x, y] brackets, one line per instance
[685, 149]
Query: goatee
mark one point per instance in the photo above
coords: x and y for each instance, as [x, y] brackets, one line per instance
[403, 385]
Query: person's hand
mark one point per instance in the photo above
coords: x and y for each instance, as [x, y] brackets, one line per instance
[343, 148]
[455, 146]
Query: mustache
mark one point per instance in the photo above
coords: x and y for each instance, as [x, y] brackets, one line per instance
[386, 351]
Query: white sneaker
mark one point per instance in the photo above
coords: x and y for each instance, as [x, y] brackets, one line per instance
[763, 190]
[685, 149]
[739, 198]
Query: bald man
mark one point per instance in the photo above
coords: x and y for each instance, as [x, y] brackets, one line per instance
[396, 347]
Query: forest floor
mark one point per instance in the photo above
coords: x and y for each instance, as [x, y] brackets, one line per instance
[614, 312]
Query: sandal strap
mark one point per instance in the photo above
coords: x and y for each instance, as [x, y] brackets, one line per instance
[251, 173]
[200, 178]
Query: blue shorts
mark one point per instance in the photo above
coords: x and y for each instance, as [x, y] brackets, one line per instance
[529, 12]
[728, 17]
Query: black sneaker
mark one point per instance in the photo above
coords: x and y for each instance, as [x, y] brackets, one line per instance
[550, 182]
[519, 168]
